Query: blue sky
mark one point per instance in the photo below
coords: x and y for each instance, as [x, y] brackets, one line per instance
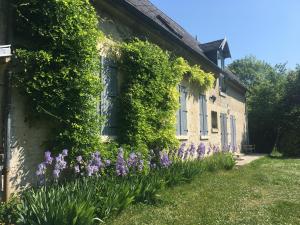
[268, 29]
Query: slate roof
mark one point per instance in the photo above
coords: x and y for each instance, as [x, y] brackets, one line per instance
[215, 45]
[151, 13]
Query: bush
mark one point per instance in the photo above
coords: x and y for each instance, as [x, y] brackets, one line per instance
[219, 161]
[289, 144]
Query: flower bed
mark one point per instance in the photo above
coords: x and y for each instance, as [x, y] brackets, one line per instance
[98, 188]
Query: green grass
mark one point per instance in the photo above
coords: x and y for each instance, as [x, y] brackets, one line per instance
[265, 192]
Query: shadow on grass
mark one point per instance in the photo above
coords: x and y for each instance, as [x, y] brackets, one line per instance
[282, 157]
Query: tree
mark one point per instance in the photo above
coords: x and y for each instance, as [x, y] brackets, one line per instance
[289, 140]
[266, 85]
[250, 70]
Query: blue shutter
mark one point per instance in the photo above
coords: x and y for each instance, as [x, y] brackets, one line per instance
[222, 130]
[183, 119]
[203, 115]
[113, 95]
[104, 94]
[225, 130]
[224, 134]
[205, 126]
[109, 104]
[178, 113]
[233, 130]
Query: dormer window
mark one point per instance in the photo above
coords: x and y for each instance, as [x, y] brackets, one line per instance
[217, 51]
[221, 60]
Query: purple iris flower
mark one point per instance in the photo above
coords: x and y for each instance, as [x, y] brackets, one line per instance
[234, 149]
[132, 160]
[77, 169]
[215, 149]
[192, 150]
[79, 159]
[181, 150]
[121, 167]
[209, 150]
[141, 165]
[60, 163]
[164, 159]
[201, 150]
[56, 174]
[47, 157]
[107, 162]
[41, 169]
[186, 154]
[97, 154]
[65, 152]
[89, 170]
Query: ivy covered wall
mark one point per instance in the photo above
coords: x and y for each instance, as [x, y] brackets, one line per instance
[149, 96]
[58, 71]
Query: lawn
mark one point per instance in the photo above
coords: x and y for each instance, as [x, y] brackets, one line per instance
[264, 192]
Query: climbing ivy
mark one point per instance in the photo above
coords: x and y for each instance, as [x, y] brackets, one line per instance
[58, 71]
[194, 74]
[149, 98]
[59, 68]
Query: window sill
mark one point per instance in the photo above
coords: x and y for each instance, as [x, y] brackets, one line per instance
[223, 94]
[202, 137]
[182, 137]
[215, 130]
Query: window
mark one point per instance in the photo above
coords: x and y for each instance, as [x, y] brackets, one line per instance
[109, 100]
[181, 116]
[214, 121]
[221, 61]
[175, 30]
[203, 116]
[222, 83]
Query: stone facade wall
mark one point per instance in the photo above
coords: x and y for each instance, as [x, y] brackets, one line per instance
[27, 145]
[120, 26]
[28, 138]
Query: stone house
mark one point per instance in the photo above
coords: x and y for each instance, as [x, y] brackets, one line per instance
[217, 117]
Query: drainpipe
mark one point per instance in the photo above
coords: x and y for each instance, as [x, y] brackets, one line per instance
[7, 101]
[7, 135]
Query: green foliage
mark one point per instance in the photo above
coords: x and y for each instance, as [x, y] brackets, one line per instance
[273, 104]
[195, 74]
[250, 70]
[181, 172]
[266, 88]
[59, 68]
[149, 99]
[69, 204]
[220, 161]
[8, 211]
[147, 103]
[289, 141]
